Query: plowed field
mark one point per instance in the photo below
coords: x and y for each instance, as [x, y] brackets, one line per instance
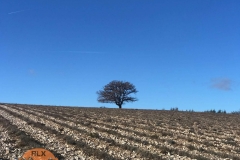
[103, 133]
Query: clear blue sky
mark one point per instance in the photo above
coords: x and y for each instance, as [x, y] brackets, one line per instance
[178, 53]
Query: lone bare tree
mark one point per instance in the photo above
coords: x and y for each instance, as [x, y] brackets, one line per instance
[117, 92]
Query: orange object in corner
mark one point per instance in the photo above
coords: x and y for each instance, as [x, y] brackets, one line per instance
[38, 154]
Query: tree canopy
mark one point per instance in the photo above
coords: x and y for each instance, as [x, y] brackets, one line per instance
[117, 92]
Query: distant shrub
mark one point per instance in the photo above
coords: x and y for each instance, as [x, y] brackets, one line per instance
[190, 110]
[236, 112]
[221, 111]
[174, 109]
[214, 111]
[211, 111]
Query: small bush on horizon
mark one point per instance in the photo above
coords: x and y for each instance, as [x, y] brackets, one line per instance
[174, 109]
[214, 111]
[221, 111]
[190, 110]
[211, 111]
[236, 112]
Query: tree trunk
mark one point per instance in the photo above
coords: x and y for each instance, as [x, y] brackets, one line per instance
[120, 106]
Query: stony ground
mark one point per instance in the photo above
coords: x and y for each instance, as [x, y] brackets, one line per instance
[100, 133]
